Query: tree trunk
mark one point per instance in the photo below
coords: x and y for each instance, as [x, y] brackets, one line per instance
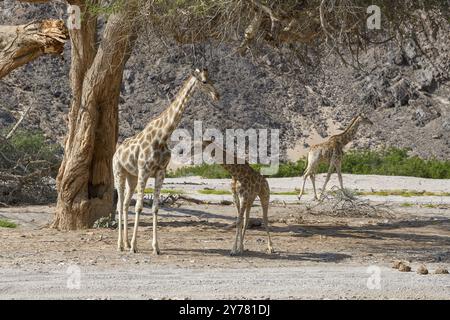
[85, 181]
[22, 44]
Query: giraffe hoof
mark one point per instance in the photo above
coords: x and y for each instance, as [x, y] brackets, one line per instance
[133, 250]
[270, 251]
[156, 252]
[119, 248]
[234, 253]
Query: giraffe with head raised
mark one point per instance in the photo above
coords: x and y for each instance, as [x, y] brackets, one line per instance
[331, 152]
[246, 185]
[147, 155]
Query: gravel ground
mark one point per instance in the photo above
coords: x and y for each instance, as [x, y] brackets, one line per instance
[319, 255]
[310, 282]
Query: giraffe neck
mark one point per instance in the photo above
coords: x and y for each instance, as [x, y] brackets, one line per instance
[350, 132]
[171, 117]
[233, 168]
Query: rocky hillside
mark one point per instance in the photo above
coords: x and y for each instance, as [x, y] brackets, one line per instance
[404, 89]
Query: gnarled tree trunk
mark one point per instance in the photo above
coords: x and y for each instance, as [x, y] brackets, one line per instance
[85, 182]
[22, 44]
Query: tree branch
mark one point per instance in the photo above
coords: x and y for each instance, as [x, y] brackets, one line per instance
[24, 43]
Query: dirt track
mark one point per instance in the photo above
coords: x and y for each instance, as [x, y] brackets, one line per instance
[318, 256]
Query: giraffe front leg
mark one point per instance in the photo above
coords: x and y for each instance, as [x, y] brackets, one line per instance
[141, 182]
[120, 185]
[305, 176]
[248, 206]
[159, 179]
[239, 222]
[339, 173]
[131, 186]
[330, 171]
[313, 181]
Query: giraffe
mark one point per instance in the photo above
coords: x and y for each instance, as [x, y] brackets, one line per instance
[246, 185]
[147, 155]
[331, 151]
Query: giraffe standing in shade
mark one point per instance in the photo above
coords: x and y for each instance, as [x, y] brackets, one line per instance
[331, 151]
[147, 155]
[246, 185]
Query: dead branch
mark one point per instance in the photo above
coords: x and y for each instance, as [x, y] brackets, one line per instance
[345, 204]
[24, 43]
[14, 128]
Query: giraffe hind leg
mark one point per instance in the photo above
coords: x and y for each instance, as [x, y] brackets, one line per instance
[120, 186]
[239, 222]
[265, 208]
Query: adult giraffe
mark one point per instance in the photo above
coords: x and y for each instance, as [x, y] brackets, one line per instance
[147, 155]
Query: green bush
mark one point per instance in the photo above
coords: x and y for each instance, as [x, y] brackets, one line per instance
[388, 162]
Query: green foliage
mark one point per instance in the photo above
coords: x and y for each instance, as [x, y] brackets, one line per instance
[213, 171]
[214, 191]
[390, 162]
[104, 8]
[7, 224]
[163, 191]
[406, 205]
[403, 193]
[31, 150]
[396, 162]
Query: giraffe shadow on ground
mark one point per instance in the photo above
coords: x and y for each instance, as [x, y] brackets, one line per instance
[380, 231]
[278, 255]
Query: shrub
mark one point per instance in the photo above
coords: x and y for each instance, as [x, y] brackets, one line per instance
[389, 162]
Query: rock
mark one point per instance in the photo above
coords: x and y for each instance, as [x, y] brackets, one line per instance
[441, 270]
[396, 264]
[422, 270]
[410, 50]
[401, 92]
[446, 125]
[403, 267]
[425, 80]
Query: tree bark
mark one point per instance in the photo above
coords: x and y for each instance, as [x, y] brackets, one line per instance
[85, 181]
[22, 44]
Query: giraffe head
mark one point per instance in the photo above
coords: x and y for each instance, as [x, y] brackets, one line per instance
[364, 120]
[205, 84]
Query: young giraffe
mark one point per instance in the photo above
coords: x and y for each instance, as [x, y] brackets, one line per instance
[147, 155]
[331, 151]
[246, 185]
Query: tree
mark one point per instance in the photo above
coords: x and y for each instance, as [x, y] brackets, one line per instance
[85, 182]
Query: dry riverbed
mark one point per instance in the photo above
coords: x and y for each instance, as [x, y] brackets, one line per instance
[318, 255]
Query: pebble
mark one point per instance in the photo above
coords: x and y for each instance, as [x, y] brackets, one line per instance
[422, 270]
[441, 270]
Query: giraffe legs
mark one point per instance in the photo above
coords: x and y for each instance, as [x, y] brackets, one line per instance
[313, 181]
[239, 222]
[265, 208]
[248, 207]
[131, 186]
[159, 179]
[339, 173]
[141, 182]
[305, 176]
[330, 171]
[120, 185]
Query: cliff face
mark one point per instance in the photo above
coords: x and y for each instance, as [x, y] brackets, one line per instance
[403, 89]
